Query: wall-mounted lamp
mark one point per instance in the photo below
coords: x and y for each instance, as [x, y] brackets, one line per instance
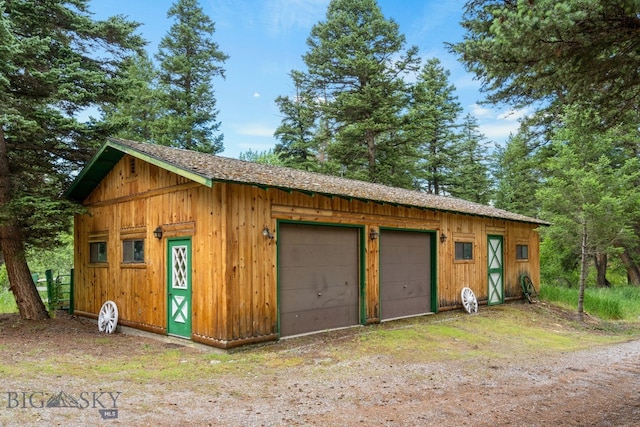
[443, 238]
[157, 233]
[267, 233]
[373, 234]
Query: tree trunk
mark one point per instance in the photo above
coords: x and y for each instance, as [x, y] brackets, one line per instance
[633, 272]
[583, 272]
[601, 268]
[29, 303]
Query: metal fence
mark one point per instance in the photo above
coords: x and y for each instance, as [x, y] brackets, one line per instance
[59, 291]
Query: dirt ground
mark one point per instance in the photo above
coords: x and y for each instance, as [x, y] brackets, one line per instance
[303, 383]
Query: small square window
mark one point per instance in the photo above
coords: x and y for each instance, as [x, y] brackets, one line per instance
[464, 250]
[97, 252]
[522, 251]
[133, 251]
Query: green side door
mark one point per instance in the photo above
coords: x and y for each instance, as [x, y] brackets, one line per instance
[179, 287]
[496, 270]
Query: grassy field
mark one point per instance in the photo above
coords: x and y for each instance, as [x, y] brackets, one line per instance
[618, 303]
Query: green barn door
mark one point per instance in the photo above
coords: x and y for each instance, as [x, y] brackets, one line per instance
[179, 288]
[496, 271]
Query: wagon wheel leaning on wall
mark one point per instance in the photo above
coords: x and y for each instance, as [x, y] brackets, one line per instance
[469, 301]
[528, 289]
[108, 317]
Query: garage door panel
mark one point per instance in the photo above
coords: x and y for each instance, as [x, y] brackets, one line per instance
[323, 297]
[403, 289]
[304, 278]
[405, 273]
[330, 318]
[314, 235]
[318, 271]
[320, 256]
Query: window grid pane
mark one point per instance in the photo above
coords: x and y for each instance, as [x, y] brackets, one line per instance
[522, 251]
[133, 251]
[463, 250]
[97, 252]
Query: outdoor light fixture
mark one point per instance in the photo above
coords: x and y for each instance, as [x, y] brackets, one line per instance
[373, 234]
[157, 233]
[443, 238]
[267, 233]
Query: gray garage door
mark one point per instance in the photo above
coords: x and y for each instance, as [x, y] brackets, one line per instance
[405, 273]
[318, 278]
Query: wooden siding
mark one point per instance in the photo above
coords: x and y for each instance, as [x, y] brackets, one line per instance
[234, 266]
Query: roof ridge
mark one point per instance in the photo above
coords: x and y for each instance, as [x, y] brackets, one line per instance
[220, 168]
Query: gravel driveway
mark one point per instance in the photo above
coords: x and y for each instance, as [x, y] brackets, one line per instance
[370, 376]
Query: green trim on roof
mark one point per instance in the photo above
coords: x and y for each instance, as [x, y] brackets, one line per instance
[201, 179]
[91, 175]
[105, 160]
[207, 170]
[307, 193]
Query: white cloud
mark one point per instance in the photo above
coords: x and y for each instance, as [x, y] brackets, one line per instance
[498, 131]
[513, 115]
[498, 125]
[480, 112]
[254, 129]
[256, 95]
[283, 15]
[435, 16]
[246, 146]
[465, 81]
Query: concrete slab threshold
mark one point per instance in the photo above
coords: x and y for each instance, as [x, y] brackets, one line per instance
[171, 341]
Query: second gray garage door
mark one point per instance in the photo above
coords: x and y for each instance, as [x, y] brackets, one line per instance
[318, 278]
[405, 273]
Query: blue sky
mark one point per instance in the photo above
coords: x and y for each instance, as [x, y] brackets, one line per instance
[265, 40]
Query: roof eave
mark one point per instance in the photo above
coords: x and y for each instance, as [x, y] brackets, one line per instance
[186, 173]
[105, 160]
[385, 202]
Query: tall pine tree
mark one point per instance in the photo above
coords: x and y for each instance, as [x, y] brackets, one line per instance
[555, 51]
[134, 116]
[298, 134]
[432, 127]
[355, 64]
[517, 171]
[189, 60]
[56, 63]
[470, 171]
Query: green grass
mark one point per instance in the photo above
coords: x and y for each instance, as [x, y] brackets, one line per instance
[462, 337]
[617, 303]
[7, 302]
[513, 331]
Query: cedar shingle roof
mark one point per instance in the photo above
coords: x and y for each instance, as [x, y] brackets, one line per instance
[215, 168]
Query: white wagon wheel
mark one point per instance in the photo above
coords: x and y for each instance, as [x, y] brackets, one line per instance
[108, 317]
[469, 300]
